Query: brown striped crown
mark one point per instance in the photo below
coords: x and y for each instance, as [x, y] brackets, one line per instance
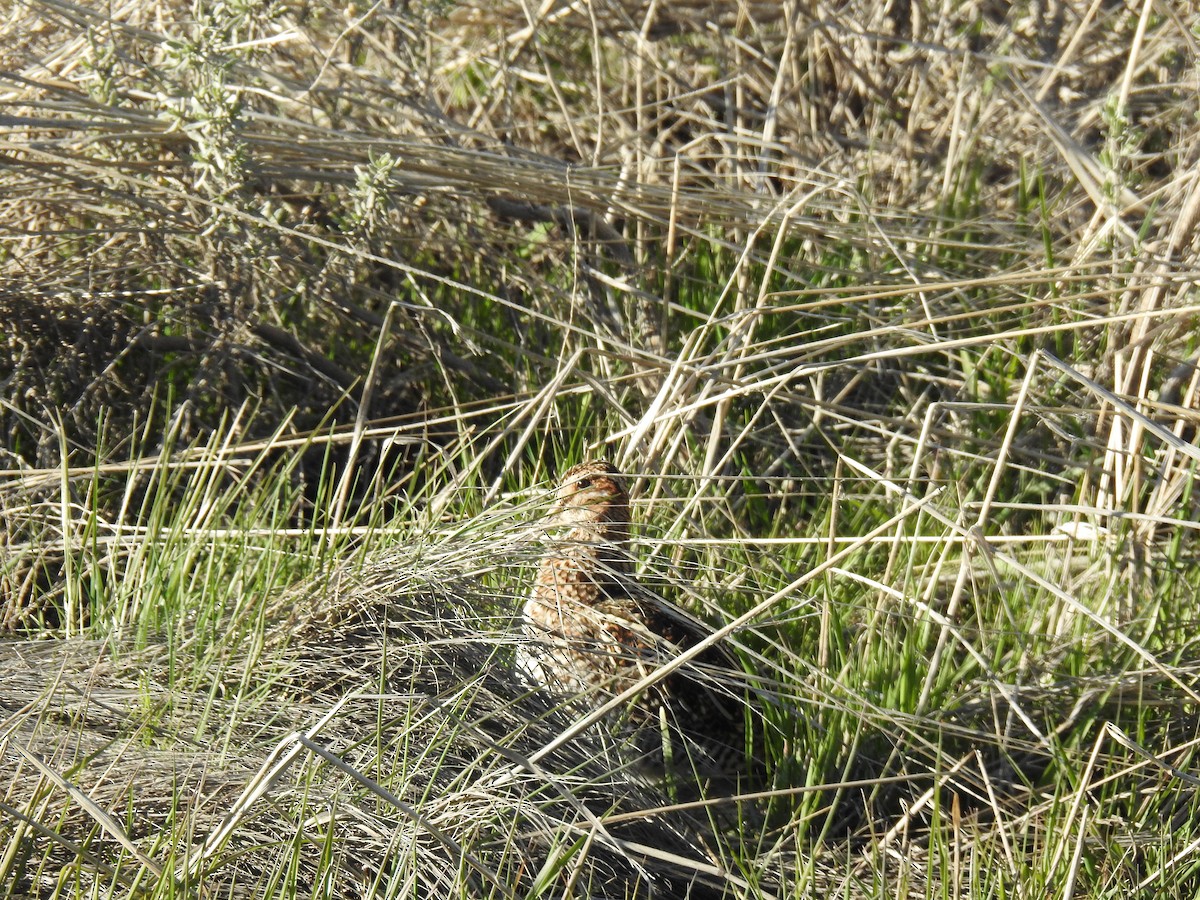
[592, 505]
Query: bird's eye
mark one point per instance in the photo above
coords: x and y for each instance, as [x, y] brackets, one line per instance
[583, 484]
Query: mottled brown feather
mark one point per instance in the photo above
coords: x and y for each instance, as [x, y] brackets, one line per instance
[592, 631]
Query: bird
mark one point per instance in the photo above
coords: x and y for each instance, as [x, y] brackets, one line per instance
[591, 631]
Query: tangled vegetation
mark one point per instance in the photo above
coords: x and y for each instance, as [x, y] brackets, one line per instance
[887, 310]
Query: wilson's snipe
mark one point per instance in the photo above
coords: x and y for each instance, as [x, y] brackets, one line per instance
[593, 632]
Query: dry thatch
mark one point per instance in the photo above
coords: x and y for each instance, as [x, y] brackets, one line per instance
[266, 185]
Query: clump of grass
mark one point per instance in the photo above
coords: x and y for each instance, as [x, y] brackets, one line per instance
[396, 745]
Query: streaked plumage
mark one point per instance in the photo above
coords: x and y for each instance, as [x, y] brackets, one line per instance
[594, 632]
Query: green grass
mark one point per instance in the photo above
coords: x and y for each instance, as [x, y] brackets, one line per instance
[211, 535]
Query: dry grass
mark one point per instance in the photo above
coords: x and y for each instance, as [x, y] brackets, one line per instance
[888, 307]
